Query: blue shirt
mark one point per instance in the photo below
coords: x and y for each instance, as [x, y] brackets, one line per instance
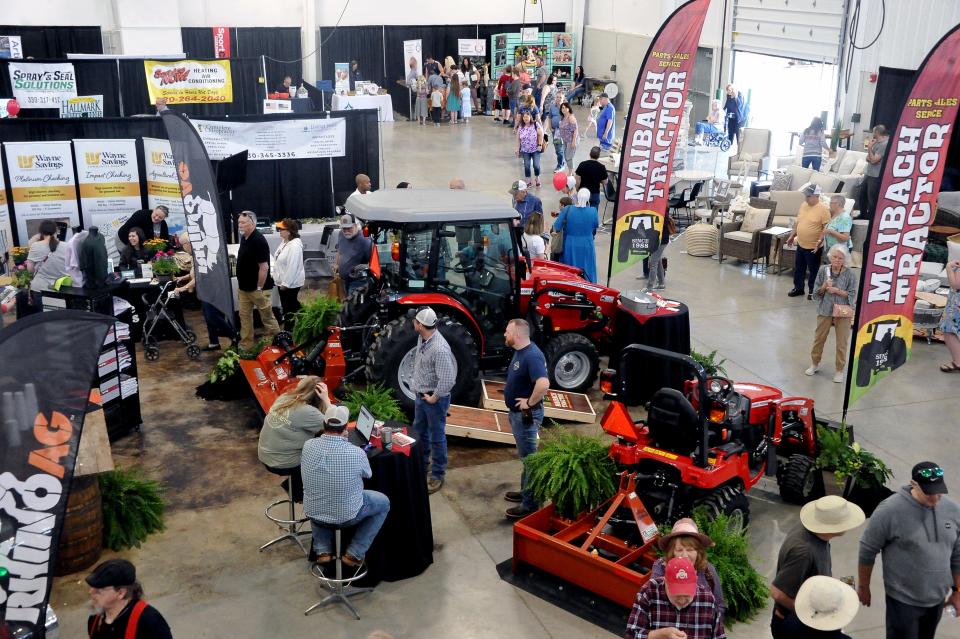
[333, 471]
[607, 114]
[527, 366]
[842, 223]
[530, 204]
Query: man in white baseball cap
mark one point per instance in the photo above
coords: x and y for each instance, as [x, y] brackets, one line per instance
[825, 605]
[805, 553]
[434, 375]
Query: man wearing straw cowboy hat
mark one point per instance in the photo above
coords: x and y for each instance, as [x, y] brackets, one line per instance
[805, 553]
[918, 532]
[825, 605]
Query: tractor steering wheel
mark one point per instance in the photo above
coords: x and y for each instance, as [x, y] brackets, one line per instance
[719, 388]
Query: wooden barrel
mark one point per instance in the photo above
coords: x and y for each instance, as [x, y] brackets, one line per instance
[81, 540]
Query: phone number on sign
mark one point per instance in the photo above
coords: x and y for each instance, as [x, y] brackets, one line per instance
[194, 99]
[271, 155]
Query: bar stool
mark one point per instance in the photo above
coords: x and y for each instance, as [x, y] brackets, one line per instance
[340, 588]
[291, 525]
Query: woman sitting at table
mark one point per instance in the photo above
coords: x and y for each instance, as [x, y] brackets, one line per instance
[134, 252]
[295, 417]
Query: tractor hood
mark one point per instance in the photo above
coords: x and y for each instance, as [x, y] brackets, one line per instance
[547, 269]
[420, 205]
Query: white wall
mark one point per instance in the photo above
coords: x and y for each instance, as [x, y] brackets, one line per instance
[361, 12]
[56, 13]
[147, 28]
[644, 17]
[243, 13]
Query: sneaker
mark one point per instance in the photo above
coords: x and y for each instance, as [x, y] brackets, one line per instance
[517, 512]
[660, 287]
[433, 485]
[514, 496]
[537, 183]
[812, 370]
[839, 377]
[496, 119]
[211, 347]
[809, 296]
[795, 293]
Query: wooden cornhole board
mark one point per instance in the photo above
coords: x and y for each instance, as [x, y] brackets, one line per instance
[477, 423]
[573, 407]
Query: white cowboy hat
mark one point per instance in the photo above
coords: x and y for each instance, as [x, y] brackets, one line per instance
[825, 603]
[831, 514]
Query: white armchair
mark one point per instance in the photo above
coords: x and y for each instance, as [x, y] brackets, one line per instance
[752, 155]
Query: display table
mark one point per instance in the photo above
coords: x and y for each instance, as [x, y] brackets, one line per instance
[771, 243]
[319, 246]
[383, 103]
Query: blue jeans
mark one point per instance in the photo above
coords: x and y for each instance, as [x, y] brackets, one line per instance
[527, 157]
[595, 198]
[526, 438]
[368, 522]
[577, 90]
[706, 127]
[655, 270]
[217, 325]
[561, 150]
[809, 160]
[430, 424]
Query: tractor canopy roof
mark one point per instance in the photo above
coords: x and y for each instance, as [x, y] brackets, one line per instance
[419, 205]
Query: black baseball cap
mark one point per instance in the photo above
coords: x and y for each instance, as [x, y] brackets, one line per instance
[112, 572]
[929, 476]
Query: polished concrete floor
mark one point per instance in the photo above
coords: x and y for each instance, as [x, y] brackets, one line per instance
[205, 574]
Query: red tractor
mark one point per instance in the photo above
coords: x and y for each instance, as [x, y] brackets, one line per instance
[711, 442]
[458, 252]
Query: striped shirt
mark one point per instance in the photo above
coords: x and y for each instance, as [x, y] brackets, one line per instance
[333, 471]
[434, 368]
[652, 610]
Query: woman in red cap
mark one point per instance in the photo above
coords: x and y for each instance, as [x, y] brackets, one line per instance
[686, 540]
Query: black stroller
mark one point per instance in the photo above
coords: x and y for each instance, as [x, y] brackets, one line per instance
[156, 311]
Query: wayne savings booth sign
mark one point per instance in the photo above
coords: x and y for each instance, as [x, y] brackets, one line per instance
[189, 81]
[42, 184]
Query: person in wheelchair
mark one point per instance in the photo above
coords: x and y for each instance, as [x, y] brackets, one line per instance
[711, 125]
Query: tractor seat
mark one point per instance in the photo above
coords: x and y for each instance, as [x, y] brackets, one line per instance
[673, 421]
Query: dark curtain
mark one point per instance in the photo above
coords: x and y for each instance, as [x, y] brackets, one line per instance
[282, 47]
[274, 189]
[363, 44]
[198, 42]
[56, 42]
[94, 77]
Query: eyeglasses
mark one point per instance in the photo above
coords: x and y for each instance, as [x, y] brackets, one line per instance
[928, 473]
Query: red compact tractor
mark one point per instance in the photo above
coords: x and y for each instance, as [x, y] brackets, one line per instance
[710, 443]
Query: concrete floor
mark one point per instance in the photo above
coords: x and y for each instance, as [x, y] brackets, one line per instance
[205, 574]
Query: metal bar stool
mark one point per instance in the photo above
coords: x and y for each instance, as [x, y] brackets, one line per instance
[340, 588]
[291, 525]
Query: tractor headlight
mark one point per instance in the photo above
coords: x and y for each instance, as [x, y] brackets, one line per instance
[715, 386]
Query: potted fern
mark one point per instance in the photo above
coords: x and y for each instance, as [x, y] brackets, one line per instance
[132, 507]
[712, 363]
[573, 471]
[378, 400]
[859, 474]
[313, 318]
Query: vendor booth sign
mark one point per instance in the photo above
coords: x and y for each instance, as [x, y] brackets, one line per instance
[412, 49]
[189, 81]
[906, 207]
[221, 42]
[42, 184]
[10, 47]
[109, 185]
[6, 231]
[163, 188]
[472, 48]
[42, 86]
[278, 140]
[650, 138]
[341, 74]
[84, 106]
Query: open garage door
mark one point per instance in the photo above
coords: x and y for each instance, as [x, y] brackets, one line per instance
[799, 29]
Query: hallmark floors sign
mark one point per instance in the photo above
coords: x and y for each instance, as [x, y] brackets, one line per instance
[42, 86]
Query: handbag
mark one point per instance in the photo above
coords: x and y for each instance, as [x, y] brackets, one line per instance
[842, 310]
[556, 238]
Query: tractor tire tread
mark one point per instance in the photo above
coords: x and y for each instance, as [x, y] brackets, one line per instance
[794, 478]
[564, 343]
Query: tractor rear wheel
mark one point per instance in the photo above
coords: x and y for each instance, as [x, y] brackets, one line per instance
[391, 357]
[798, 480]
[356, 309]
[730, 501]
[572, 362]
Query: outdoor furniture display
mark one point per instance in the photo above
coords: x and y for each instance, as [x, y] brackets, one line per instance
[741, 238]
[703, 240]
[683, 200]
[752, 153]
[771, 245]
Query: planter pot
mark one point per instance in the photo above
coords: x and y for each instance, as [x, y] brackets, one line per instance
[868, 498]
[830, 486]
[163, 279]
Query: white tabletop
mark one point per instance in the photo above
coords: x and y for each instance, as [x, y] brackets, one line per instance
[777, 230]
[381, 102]
[692, 175]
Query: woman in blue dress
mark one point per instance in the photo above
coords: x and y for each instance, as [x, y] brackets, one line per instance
[579, 225]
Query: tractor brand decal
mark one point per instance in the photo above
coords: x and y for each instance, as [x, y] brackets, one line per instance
[588, 287]
[659, 453]
[649, 532]
[650, 137]
[907, 205]
[526, 291]
[607, 299]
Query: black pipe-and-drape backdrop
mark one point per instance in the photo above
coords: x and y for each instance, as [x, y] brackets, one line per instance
[281, 46]
[55, 42]
[274, 188]
[371, 46]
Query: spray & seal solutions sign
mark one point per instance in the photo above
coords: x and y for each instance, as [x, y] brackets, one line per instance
[42, 86]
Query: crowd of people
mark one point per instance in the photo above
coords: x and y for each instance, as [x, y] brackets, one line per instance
[446, 90]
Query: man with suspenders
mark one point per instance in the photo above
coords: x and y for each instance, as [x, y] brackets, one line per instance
[121, 610]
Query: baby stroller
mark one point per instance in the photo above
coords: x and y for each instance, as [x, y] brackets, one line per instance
[157, 311]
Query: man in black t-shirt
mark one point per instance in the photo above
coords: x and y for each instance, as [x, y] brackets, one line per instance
[527, 383]
[121, 610]
[591, 175]
[253, 280]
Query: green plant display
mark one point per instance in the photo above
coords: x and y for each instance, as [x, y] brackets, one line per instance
[573, 471]
[313, 318]
[744, 589]
[712, 364]
[22, 278]
[165, 266]
[378, 400]
[228, 364]
[132, 507]
[849, 460]
[257, 348]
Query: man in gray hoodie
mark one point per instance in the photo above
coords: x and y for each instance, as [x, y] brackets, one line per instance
[918, 532]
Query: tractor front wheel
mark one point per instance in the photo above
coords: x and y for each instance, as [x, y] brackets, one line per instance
[391, 359]
[572, 362]
[730, 501]
[798, 480]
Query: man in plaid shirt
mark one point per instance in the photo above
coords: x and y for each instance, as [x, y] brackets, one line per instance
[434, 374]
[675, 607]
[333, 471]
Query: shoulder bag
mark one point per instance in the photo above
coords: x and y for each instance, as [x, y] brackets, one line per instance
[556, 237]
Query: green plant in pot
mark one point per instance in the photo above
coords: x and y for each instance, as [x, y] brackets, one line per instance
[313, 318]
[379, 401]
[573, 471]
[712, 363]
[132, 507]
[852, 465]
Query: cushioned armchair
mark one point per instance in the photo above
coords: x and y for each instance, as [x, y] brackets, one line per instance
[741, 238]
[752, 155]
